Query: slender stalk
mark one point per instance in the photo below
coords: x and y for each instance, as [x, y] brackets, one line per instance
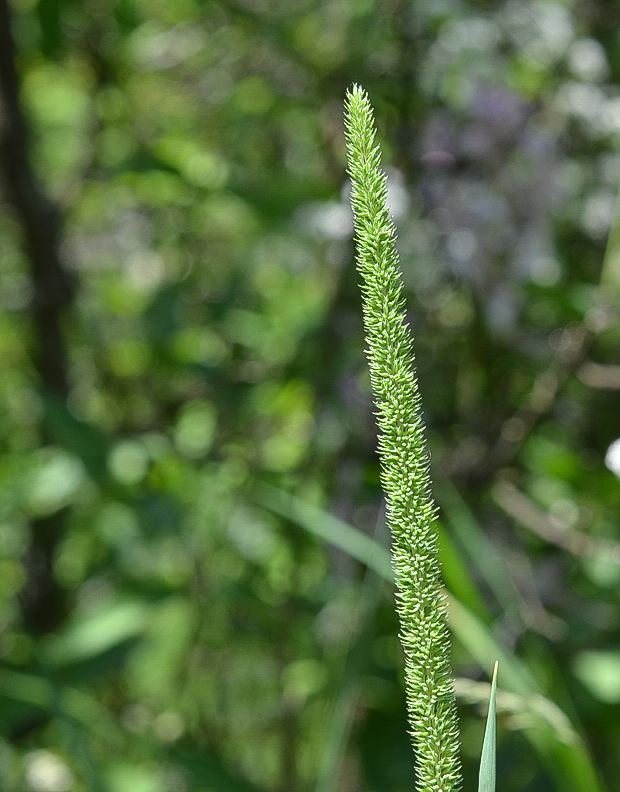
[405, 464]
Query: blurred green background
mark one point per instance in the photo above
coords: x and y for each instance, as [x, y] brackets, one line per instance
[193, 585]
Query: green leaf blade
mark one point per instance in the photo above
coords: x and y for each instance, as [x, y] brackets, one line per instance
[486, 779]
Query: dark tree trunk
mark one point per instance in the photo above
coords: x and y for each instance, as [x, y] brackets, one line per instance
[52, 291]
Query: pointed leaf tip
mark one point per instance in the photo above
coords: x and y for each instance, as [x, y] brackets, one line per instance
[486, 781]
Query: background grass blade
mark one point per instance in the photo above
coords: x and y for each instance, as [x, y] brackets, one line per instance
[476, 545]
[328, 528]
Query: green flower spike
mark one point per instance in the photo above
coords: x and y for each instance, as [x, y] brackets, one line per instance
[405, 464]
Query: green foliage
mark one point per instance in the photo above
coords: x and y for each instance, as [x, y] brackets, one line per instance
[405, 463]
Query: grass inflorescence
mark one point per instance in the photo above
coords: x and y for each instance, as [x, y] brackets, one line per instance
[405, 460]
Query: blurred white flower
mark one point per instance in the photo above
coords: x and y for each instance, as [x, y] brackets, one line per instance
[331, 219]
[612, 457]
[46, 772]
[587, 60]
